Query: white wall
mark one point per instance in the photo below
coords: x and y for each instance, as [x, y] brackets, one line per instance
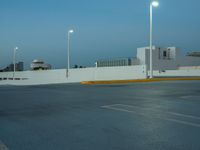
[75, 75]
[120, 73]
[178, 73]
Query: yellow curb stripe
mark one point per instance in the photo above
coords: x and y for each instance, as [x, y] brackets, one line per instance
[139, 80]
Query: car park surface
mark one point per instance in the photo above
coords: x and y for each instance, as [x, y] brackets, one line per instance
[141, 116]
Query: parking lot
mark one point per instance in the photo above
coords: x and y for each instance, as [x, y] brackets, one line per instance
[137, 116]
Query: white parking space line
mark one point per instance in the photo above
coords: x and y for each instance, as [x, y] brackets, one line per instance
[190, 96]
[124, 108]
[120, 109]
[151, 109]
[3, 146]
[168, 112]
[182, 122]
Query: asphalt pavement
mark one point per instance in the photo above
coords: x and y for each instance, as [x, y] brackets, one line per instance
[137, 116]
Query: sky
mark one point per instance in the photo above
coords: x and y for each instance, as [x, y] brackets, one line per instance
[104, 29]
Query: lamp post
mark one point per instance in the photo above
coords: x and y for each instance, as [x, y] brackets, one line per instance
[14, 58]
[68, 52]
[153, 3]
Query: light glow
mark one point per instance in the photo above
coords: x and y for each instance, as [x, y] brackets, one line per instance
[71, 31]
[155, 4]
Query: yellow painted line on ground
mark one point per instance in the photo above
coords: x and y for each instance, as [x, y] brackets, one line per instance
[140, 80]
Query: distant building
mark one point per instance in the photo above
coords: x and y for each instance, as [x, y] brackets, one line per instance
[194, 54]
[39, 65]
[18, 67]
[117, 62]
[164, 58]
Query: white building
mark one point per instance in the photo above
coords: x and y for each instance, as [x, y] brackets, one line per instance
[39, 65]
[168, 58]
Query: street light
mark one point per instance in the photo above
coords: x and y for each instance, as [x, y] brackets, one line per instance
[68, 52]
[153, 3]
[14, 58]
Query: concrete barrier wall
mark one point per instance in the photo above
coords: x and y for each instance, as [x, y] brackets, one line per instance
[120, 73]
[75, 75]
[178, 73]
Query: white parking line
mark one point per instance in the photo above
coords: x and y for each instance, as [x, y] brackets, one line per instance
[117, 108]
[3, 146]
[182, 122]
[190, 96]
[168, 112]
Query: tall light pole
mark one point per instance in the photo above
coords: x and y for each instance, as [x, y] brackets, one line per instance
[14, 59]
[68, 52]
[153, 3]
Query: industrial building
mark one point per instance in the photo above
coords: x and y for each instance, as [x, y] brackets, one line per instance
[194, 54]
[18, 67]
[164, 58]
[117, 62]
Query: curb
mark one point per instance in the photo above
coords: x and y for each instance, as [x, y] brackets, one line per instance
[139, 80]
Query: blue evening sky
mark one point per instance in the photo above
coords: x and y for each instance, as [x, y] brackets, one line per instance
[103, 29]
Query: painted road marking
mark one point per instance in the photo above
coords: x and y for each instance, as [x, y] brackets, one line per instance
[168, 112]
[3, 146]
[119, 107]
[190, 96]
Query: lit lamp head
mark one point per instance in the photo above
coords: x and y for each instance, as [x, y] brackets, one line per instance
[16, 48]
[71, 31]
[155, 3]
